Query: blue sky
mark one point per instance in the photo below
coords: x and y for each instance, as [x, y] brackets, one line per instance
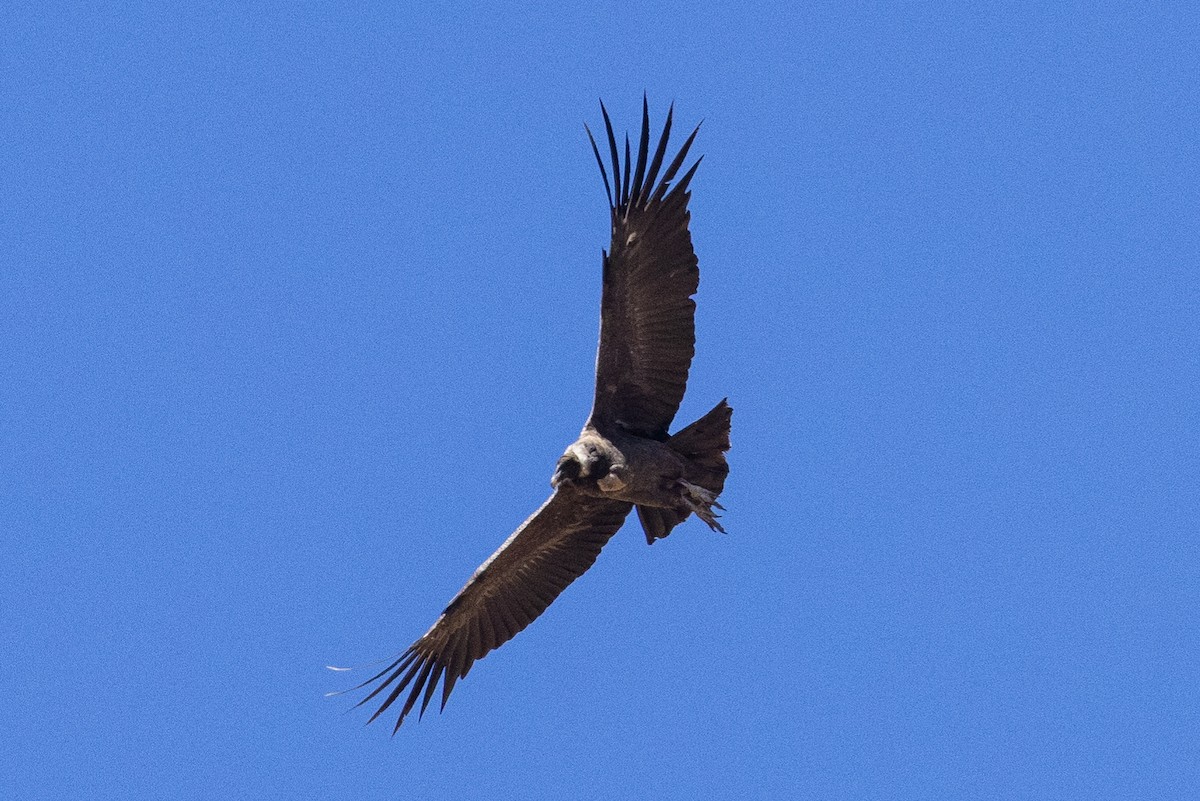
[298, 308]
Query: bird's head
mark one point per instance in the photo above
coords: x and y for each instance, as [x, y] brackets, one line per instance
[583, 461]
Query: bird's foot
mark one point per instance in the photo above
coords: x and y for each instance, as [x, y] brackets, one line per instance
[702, 502]
[612, 481]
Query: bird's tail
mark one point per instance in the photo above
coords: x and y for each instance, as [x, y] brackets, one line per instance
[704, 444]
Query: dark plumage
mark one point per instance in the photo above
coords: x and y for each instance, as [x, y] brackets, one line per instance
[624, 456]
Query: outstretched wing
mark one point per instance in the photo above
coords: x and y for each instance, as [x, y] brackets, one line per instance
[647, 329]
[555, 546]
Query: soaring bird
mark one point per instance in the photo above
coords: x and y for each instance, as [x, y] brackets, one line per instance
[624, 457]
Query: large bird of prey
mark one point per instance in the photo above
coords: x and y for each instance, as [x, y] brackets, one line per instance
[624, 458]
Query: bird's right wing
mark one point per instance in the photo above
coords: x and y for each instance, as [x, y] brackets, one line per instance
[555, 546]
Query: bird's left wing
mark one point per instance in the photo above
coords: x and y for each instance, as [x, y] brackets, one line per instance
[647, 327]
[555, 546]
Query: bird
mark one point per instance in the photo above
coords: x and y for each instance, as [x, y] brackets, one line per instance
[624, 459]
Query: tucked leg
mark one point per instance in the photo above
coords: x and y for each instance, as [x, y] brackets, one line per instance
[614, 479]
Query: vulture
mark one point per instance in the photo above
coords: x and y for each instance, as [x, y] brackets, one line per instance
[625, 457]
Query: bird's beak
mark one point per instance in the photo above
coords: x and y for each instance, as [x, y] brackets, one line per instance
[565, 473]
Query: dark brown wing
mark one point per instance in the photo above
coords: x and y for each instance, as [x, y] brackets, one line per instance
[647, 331]
[555, 546]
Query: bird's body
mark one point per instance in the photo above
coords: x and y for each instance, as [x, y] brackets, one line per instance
[651, 474]
[624, 458]
[625, 467]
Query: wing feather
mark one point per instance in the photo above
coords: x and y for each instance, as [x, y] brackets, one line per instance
[660, 152]
[600, 162]
[647, 327]
[612, 151]
[639, 174]
[555, 546]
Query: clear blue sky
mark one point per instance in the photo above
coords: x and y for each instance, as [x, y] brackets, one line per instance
[298, 308]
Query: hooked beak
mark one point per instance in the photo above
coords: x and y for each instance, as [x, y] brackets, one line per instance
[565, 473]
[560, 479]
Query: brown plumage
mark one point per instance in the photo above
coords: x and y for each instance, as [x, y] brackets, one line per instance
[624, 456]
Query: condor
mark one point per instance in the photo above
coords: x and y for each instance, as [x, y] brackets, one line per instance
[625, 456]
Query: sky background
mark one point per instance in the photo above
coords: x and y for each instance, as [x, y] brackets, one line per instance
[298, 309]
